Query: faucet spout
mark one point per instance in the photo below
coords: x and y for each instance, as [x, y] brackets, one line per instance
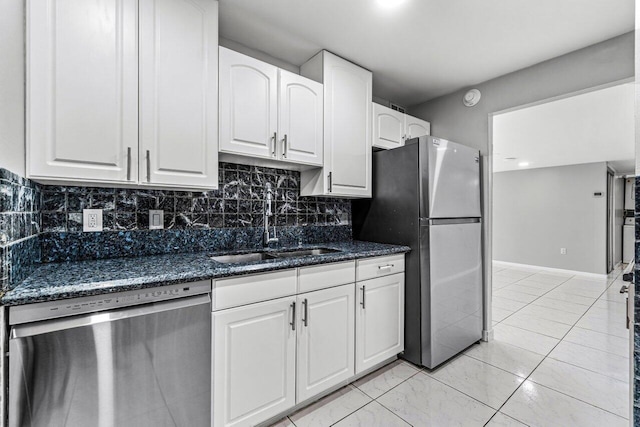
[268, 213]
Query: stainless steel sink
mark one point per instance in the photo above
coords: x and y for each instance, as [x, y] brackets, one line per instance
[262, 256]
[238, 258]
[304, 252]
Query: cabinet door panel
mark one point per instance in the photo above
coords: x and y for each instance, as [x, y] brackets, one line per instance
[380, 320]
[82, 89]
[326, 341]
[347, 127]
[300, 119]
[416, 127]
[179, 92]
[248, 105]
[254, 362]
[388, 129]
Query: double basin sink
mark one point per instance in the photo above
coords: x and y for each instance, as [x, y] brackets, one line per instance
[266, 255]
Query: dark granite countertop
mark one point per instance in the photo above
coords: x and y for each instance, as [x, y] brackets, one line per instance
[56, 281]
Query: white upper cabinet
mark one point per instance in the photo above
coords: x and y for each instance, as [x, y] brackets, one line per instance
[269, 113]
[300, 119]
[388, 127]
[82, 90]
[415, 127]
[392, 128]
[179, 92]
[109, 81]
[248, 105]
[346, 170]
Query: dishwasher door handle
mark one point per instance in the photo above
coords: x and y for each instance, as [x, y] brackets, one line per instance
[46, 326]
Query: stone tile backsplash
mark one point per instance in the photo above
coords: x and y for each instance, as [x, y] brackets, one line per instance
[239, 202]
[20, 225]
[42, 223]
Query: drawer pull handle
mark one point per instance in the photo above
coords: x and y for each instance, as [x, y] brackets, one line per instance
[293, 316]
[363, 294]
[385, 267]
[305, 312]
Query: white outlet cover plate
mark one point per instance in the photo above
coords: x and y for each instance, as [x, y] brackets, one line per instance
[92, 220]
[156, 219]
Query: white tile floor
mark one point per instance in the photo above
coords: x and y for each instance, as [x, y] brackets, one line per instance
[559, 358]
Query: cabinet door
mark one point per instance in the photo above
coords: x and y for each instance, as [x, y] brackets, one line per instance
[179, 93]
[347, 127]
[379, 321]
[82, 90]
[254, 362]
[388, 127]
[300, 119]
[416, 127]
[325, 339]
[248, 105]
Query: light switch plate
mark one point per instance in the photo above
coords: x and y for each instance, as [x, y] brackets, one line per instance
[92, 220]
[156, 219]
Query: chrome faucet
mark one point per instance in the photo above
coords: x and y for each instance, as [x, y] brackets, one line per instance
[268, 212]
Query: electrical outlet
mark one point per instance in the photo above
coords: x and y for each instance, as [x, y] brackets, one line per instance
[156, 219]
[92, 220]
[563, 251]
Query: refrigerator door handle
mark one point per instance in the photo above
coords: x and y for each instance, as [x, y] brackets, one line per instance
[445, 221]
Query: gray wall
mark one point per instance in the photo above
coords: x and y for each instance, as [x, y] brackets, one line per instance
[12, 86]
[538, 211]
[596, 65]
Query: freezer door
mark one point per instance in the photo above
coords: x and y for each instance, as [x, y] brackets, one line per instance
[452, 175]
[454, 290]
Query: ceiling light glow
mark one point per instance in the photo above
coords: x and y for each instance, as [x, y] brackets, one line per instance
[388, 4]
[523, 164]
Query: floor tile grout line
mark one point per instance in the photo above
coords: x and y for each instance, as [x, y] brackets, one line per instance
[554, 347]
[527, 304]
[403, 381]
[577, 398]
[362, 407]
[462, 392]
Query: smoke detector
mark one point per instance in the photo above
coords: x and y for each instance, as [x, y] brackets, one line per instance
[471, 98]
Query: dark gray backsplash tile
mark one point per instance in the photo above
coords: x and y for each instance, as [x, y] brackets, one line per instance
[228, 218]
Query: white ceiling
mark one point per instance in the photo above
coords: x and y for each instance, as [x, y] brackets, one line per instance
[593, 127]
[422, 49]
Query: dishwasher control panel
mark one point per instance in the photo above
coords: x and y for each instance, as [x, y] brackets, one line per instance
[69, 307]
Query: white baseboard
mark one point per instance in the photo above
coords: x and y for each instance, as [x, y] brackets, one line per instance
[549, 269]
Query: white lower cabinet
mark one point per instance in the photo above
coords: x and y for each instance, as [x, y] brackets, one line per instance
[270, 356]
[254, 362]
[325, 340]
[379, 320]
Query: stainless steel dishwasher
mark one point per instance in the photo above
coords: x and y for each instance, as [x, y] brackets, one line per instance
[136, 358]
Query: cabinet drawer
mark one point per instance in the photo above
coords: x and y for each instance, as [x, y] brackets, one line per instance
[235, 291]
[326, 276]
[380, 266]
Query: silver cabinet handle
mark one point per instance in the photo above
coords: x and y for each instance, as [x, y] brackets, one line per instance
[305, 312]
[330, 181]
[148, 166]
[128, 163]
[293, 316]
[385, 267]
[284, 146]
[363, 294]
[274, 139]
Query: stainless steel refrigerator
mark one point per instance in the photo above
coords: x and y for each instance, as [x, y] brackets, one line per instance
[426, 195]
